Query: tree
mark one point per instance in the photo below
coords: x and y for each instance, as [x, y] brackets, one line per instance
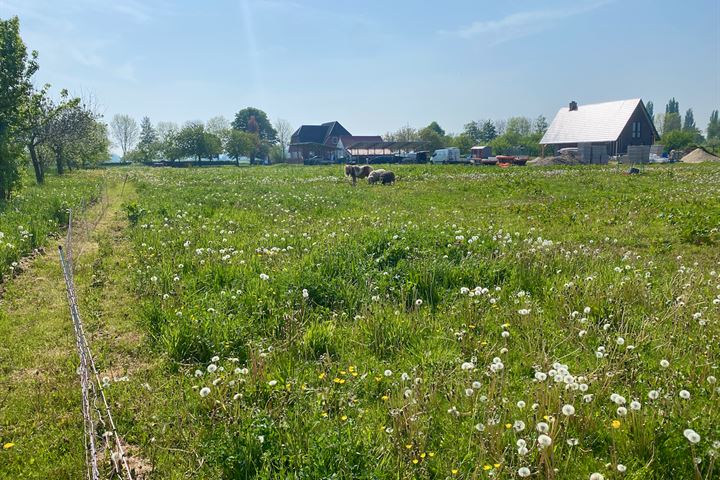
[218, 126]
[678, 139]
[472, 131]
[125, 130]
[659, 122]
[241, 144]
[650, 107]
[194, 141]
[284, 133]
[254, 120]
[713, 129]
[488, 132]
[519, 126]
[540, 126]
[403, 134]
[436, 128]
[464, 142]
[434, 140]
[689, 124]
[673, 106]
[165, 130]
[671, 122]
[38, 112]
[147, 147]
[500, 126]
[16, 71]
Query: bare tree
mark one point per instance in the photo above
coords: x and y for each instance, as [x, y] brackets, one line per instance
[284, 132]
[125, 130]
[218, 126]
[165, 129]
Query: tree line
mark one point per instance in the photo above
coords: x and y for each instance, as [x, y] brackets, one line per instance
[62, 131]
[680, 132]
[516, 135]
[250, 134]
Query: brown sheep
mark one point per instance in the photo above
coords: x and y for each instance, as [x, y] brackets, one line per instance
[356, 171]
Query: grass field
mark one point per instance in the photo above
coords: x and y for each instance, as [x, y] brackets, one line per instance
[463, 323]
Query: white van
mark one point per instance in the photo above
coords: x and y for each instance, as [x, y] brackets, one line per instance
[446, 155]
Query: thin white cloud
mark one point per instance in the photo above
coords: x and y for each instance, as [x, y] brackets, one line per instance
[522, 24]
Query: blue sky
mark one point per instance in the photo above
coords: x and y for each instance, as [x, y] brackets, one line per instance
[375, 65]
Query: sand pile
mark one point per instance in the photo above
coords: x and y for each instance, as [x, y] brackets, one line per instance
[699, 156]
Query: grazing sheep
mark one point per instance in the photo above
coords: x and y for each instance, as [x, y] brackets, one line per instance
[387, 178]
[375, 176]
[356, 171]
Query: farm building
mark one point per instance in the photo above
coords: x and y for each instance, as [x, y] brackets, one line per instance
[332, 142]
[613, 125]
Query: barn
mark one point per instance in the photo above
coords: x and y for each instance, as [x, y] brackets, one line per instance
[614, 125]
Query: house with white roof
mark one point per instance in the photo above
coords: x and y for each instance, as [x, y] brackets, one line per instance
[616, 125]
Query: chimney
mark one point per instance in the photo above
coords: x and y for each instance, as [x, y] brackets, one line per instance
[573, 106]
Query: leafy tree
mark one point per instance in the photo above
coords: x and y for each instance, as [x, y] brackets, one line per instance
[678, 139]
[519, 126]
[284, 132]
[404, 134]
[672, 122]
[464, 142]
[472, 131]
[241, 144]
[16, 70]
[689, 124]
[713, 129]
[650, 109]
[488, 131]
[540, 126]
[434, 140]
[673, 106]
[148, 146]
[500, 126]
[436, 128]
[254, 120]
[39, 111]
[194, 141]
[125, 130]
[165, 130]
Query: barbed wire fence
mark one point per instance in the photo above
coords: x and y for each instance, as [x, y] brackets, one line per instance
[100, 433]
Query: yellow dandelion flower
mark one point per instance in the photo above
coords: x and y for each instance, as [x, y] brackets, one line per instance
[321, 376]
[508, 425]
[343, 418]
[324, 414]
[336, 380]
[471, 326]
[377, 379]
[415, 461]
[351, 368]
[408, 446]
[8, 446]
[487, 467]
[422, 455]
[616, 423]
[343, 372]
[454, 471]
[354, 374]
[384, 398]
[496, 465]
[431, 454]
[483, 343]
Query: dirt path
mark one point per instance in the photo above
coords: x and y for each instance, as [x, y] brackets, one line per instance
[40, 415]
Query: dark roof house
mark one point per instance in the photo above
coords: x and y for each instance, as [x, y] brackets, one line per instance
[329, 141]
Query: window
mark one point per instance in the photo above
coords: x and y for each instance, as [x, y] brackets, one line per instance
[636, 130]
